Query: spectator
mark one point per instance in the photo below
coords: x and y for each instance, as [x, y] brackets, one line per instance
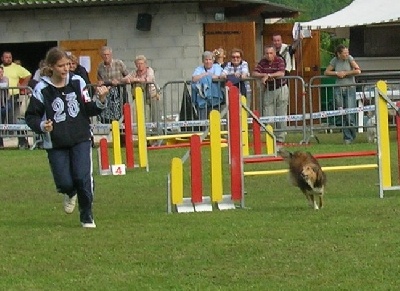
[37, 74]
[285, 51]
[344, 68]
[236, 70]
[143, 77]
[59, 110]
[5, 104]
[219, 57]
[206, 94]
[17, 76]
[111, 72]
[78, 69]
[276, 93]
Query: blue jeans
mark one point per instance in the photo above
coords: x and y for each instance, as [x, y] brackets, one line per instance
[345, 97]
[5, 115]
[72, 173]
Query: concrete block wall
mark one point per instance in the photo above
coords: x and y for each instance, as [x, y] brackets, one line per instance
[173, 46]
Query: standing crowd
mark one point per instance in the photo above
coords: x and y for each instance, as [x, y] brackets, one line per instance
[207, 86]
[209, 78]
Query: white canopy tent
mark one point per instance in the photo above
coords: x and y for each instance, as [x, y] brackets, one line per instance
[359, 12]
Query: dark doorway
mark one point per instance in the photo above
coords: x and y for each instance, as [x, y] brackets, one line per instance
[30, 53]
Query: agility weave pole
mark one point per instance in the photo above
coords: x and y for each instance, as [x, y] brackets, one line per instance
[118, 167]
[382, 113]
[198, 202]
[383, 152]
[141, 128]
[270, 139]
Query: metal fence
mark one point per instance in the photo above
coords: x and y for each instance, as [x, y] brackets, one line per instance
[284, 107]
[179, 107]
[14, 101]
[346, 107]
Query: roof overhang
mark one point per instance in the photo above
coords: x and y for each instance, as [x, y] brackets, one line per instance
[231, 8]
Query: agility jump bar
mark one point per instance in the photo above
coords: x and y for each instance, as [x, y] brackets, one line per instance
[326, 169]
[264, 159]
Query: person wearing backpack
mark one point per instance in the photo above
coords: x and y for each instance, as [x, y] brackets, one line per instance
[285, 51]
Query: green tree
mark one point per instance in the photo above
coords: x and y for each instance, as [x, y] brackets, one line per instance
[314, 9]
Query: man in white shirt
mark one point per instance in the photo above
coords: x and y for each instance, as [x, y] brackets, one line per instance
[284, 50]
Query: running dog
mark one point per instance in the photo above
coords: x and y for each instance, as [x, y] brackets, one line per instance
[306, 173]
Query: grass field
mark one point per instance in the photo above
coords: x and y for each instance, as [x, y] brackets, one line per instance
[275, 243]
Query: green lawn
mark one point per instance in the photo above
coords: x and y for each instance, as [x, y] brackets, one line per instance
[276, 243]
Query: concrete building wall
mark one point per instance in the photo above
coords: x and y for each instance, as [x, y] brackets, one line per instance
[176, 33]
[173, 46]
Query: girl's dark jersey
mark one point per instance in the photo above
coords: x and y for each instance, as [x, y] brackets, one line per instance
[69, 108]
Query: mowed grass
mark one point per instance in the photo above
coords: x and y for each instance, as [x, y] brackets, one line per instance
[276, 243]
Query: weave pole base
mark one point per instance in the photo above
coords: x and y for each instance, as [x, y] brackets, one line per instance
[186, 206]
[226, 203]
[204, 206]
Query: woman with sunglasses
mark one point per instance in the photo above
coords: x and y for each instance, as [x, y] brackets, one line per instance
[236, 70]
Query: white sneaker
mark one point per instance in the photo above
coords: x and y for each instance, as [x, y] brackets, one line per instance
[69, 203]
[88, 224]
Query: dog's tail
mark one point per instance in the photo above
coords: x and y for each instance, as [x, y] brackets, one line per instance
[286, 155]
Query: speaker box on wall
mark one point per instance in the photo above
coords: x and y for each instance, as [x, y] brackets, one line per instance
[143, 22]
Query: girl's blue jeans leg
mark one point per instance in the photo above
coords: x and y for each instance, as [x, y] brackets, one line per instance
[73, 173]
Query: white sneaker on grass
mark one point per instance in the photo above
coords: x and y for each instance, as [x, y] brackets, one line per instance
[88, 224]
[69, 203]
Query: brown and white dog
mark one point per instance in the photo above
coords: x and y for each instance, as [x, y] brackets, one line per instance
[306, 173]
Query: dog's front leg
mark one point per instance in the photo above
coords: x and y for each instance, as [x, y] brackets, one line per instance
[309, 199]
[321, 200]
[315, 201]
